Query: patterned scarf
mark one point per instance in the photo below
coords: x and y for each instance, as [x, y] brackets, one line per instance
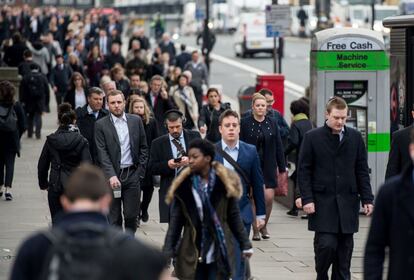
[210, 213]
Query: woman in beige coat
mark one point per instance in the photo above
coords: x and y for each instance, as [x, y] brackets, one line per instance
[184, 98]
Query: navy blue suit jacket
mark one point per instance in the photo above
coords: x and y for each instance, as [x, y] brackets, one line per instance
[248, 160]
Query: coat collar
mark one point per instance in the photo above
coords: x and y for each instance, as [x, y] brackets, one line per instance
[230, 179]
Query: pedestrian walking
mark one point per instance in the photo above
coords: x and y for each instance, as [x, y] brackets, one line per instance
[122, 154]
[86, 117]
[139, 107]
[183, 96]
[262, 131]
[243, 158]
[392, 227]
[62, 153]
[82, 245]
[333, 178]
[210, 113]
[399, 156]
[77, 94]
[199, 76]
[12, 126]
[169, 155]
[203, 201]
[300, 125]
[60, 78]
[34, 96]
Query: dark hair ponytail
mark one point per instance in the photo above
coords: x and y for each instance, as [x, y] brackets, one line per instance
[66, 115]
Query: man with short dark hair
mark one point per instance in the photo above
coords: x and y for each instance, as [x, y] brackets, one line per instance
[86, 201]
[169, 155]
[333, 177]
[122, 154]
[24, 67]
[87, 115]
[60, 78]
[184, 57]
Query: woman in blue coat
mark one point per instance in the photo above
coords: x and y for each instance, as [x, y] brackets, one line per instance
[263, 132]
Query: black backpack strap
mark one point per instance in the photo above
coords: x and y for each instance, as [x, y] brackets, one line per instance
[236, 166]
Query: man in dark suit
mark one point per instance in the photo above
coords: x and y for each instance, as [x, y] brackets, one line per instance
[169, 156]
[399, 156]
[392, 227]
[104, 42]
[247, 158]
[60, 78]
[159, 101]
[86, 117]
[122, 154]
[333, 177]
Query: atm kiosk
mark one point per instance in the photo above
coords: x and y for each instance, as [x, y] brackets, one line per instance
[353, 64]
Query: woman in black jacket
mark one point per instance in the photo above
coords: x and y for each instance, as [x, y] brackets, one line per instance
[209, 115]
[262, 131]
[12, 126]
[63, 151]
[300, 125]
[139, 106]
[77, 95]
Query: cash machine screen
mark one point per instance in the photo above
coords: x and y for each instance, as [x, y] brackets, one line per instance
[355, 94]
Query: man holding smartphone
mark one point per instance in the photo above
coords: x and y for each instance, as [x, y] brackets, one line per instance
[168, 156]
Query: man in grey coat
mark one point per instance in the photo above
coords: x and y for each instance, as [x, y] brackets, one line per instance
[333, 178]
[199, 76]
[122, 154]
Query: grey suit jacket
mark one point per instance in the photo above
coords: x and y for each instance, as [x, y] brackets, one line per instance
[109, 148]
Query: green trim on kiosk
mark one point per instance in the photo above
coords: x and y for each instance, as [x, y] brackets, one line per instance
[352, 60]
[378, 142]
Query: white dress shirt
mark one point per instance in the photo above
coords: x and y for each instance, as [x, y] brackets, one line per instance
[121, 126]
[80, 99]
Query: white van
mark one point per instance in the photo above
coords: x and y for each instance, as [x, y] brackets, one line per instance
[250, 36]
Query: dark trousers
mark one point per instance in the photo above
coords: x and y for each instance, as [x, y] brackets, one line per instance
[55, 206]
[6, 167]
[147, 192]
[34, 119]
[333, 249]
[163, 208]
[128, 203]
[241, 265]
[59, 97]
[206, 271]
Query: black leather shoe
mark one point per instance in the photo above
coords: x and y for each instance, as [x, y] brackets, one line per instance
[8, 196]
[292, 212]
[144, 217]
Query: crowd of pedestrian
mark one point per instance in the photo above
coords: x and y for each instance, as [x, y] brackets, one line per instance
[141, 117]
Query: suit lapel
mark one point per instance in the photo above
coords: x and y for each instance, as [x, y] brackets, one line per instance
[111, 126]
[130, 133]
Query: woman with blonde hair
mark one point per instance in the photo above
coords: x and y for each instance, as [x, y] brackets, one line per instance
[138, 106]
[262, 131]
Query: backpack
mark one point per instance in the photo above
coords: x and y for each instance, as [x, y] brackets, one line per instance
[75, 255]
[35, 84]
[8, 119]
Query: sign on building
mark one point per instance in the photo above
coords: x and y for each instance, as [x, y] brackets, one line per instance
[277, 20]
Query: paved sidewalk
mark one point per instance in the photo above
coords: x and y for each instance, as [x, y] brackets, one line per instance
[287, 255]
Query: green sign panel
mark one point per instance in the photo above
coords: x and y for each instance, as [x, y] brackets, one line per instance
[378, 142]
[352, 60]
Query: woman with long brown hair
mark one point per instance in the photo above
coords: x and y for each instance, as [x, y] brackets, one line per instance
[139, 106]
[77, 94]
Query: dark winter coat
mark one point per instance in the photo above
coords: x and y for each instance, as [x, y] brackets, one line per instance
[10, 141]
[86, 125]
[399, 156]
[392, 227]
[60, 78]
[63, 151]
[334, 175]
[210, 117]
[13, 55]
[34, 103]
[184, 215]
[272, 154]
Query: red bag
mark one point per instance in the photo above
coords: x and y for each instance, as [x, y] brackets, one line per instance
[282, 184]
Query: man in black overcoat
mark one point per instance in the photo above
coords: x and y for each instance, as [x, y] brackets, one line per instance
[333, 178]
[168, 156]
[392, 227]
[399, 156]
